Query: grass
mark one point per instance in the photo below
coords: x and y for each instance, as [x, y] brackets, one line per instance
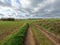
[40, 38]
[19, 30]
[9, 26]
[18, 38]
[52, 25]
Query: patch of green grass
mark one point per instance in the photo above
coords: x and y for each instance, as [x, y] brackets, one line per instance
[18, 38]
[9, 26]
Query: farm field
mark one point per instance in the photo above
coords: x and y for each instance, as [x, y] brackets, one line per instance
[40, 38]
[51, 25]
[8, 29]
[30, 32]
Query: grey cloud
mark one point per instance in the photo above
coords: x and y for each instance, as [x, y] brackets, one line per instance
[35, 2]
[41, 12]
[1, 14]
[6, 3]
[54, 13]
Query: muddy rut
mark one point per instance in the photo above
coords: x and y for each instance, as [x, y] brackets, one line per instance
[49, 35]
[29, 38]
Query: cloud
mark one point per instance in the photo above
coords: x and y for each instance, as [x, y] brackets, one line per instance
[30, 8]
[5, 3]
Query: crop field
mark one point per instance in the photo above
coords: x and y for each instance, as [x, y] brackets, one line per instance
[52, 25]
[8, 29]
[30, 32]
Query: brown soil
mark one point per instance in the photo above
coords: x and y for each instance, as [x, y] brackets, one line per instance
[49, 35]
[6, 33]
[29, 38]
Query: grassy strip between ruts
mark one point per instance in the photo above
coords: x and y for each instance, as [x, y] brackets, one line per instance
[18, 38]
[51, 25]
[40, 38]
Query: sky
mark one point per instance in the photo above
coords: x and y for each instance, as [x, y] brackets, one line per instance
[30, 8]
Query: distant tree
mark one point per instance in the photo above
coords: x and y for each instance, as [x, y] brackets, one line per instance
[7, 19]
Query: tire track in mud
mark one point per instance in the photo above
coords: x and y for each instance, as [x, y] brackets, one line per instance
[29, 38]
[49, 35]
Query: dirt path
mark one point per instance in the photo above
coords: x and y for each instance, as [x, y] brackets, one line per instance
[49, 35]
[29, 38]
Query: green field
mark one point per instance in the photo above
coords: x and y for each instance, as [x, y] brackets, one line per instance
[14, 32]
[10, 29]
[52, 25]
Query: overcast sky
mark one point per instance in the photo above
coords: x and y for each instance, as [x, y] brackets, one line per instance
[29, 8]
